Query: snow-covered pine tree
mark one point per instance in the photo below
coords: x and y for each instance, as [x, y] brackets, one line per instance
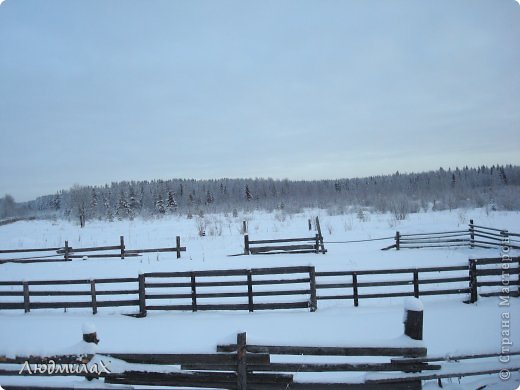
[172, 203]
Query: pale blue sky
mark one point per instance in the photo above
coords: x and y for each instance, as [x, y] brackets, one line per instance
[99, 91]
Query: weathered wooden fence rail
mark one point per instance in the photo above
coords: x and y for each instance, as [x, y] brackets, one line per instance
[263, 288]
[68, 253]
[475, 236]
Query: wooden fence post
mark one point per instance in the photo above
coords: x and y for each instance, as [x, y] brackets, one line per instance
[246, 244]
[122, 240]
[26, 301]
[178, 246]
[93, 296]
[397, 240]
[355, 289]
[142, 295]
[250, 290]
[413, 322]
[89, 333]
[193, 292]
[471, 234]
[318, 228]
[241, 361]
[244, 227]
[310, 225]
[314, 300]
[317, 244]
[416, 284]
[473, 281]
[66, 255]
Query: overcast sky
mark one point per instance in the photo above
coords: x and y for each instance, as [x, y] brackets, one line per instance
[99, 91]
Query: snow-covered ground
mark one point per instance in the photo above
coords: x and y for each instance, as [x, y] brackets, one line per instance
[450, 326]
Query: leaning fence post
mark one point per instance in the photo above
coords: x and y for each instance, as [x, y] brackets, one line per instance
[312, 279]
[246, 244]
[142, 295]
[241, 361]
[178, 246]
[397, 240]
[413, 320]
[473, 281]
[317, 244]
[471, 234]
[26, 301]
[66, 255]
[122, 240]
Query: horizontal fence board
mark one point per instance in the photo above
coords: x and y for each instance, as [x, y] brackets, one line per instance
[177, 359]
[156, 250]
[91, 249]
[30, 250]
[282, 240]
[315, 367]
[281, 248]
[332, 297]
[328, 351]
[279, 270]
[445, 292]
[496, 260]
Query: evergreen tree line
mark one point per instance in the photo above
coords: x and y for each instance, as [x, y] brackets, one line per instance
[497, 187]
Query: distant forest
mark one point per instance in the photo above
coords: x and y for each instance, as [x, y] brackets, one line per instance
[496, 187]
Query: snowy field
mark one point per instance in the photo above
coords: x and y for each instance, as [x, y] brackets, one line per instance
[450, 326]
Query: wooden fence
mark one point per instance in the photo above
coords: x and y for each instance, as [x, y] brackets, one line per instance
[242, 365]
[285, 245]
[237, 289]
[483, 277]
[475, 236]
[68, 253]
[262, 288]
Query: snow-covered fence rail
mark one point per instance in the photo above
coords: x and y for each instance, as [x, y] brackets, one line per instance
[475, 236]
[404, 282]
[68, 253]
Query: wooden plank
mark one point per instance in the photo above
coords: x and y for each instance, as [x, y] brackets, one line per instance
[454, 358]
[279, 270]
[190, 358]
[26, 301]
[93, 296]
[393, 271]
[317, 367]
[425, 377]
[282, 240]
[29, 250]
[193, 293]
[250, 290]
[178, 246]
[195, 379]
[100, 256]
[328, 351]
[142, 295]
[280, 248]
[91, 249]
[155, 250]
[493, 260]
[313, 304]
[355, 292]
[241, 369]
